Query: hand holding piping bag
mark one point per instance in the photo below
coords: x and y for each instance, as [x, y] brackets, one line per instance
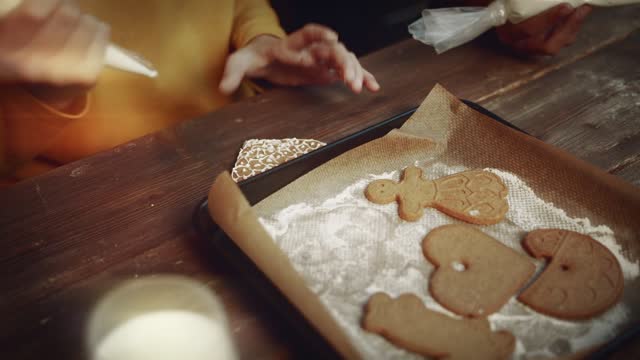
[546, 33]
[529, 27]
[51, 44]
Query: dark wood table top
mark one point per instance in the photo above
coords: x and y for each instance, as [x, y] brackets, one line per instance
[69, 235]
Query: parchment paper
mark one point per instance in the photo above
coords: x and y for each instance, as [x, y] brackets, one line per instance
[328, 249]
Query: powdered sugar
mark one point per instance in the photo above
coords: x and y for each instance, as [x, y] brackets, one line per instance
[348, 248]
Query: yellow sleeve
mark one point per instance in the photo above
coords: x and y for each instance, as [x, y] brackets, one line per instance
[28, 127]
[252, 18]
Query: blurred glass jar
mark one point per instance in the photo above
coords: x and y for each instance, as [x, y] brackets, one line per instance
[162, 318]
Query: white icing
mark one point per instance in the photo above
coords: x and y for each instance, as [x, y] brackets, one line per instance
[347, 249]
[260, 155]
[458, 266]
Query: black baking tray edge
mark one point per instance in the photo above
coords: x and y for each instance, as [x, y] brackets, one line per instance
[314, 345]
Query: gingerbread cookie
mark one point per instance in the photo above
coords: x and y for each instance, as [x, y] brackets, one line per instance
[259, 155]
[477, 197]
[582, 279]
[407, 323]
[475, 274]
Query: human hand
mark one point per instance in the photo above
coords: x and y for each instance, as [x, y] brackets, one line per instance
[51, 46]
[311, 55]
[546, 33]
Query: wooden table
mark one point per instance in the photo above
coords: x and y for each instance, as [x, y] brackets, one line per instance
[68, 236]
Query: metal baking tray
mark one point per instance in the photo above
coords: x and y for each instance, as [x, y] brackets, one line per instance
[312, 344]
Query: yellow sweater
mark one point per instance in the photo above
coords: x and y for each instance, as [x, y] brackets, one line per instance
[188, 42]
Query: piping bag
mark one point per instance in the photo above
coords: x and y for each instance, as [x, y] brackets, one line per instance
[115, 56]
[447, 28]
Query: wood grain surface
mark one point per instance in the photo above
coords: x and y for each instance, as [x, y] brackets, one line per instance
[68, 236]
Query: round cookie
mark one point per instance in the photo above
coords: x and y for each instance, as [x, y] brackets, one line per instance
[582, 279]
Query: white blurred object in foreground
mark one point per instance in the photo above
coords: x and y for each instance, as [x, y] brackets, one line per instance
[160, 318]
[115, 56]
[448, 28]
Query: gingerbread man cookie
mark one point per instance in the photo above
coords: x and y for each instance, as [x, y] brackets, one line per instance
[477, 197]
[407, 323]
[582, 279]
[475, 274]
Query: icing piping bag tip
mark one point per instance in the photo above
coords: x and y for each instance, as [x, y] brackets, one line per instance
[121, 59]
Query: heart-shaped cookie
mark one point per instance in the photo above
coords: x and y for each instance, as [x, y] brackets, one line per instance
[475, 274]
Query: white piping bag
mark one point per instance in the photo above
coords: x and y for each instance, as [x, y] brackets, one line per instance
[448, 28]
[115, 57]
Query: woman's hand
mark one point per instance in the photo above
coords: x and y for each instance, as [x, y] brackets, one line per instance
[546, 33]
[311, 55]
[53, 48]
